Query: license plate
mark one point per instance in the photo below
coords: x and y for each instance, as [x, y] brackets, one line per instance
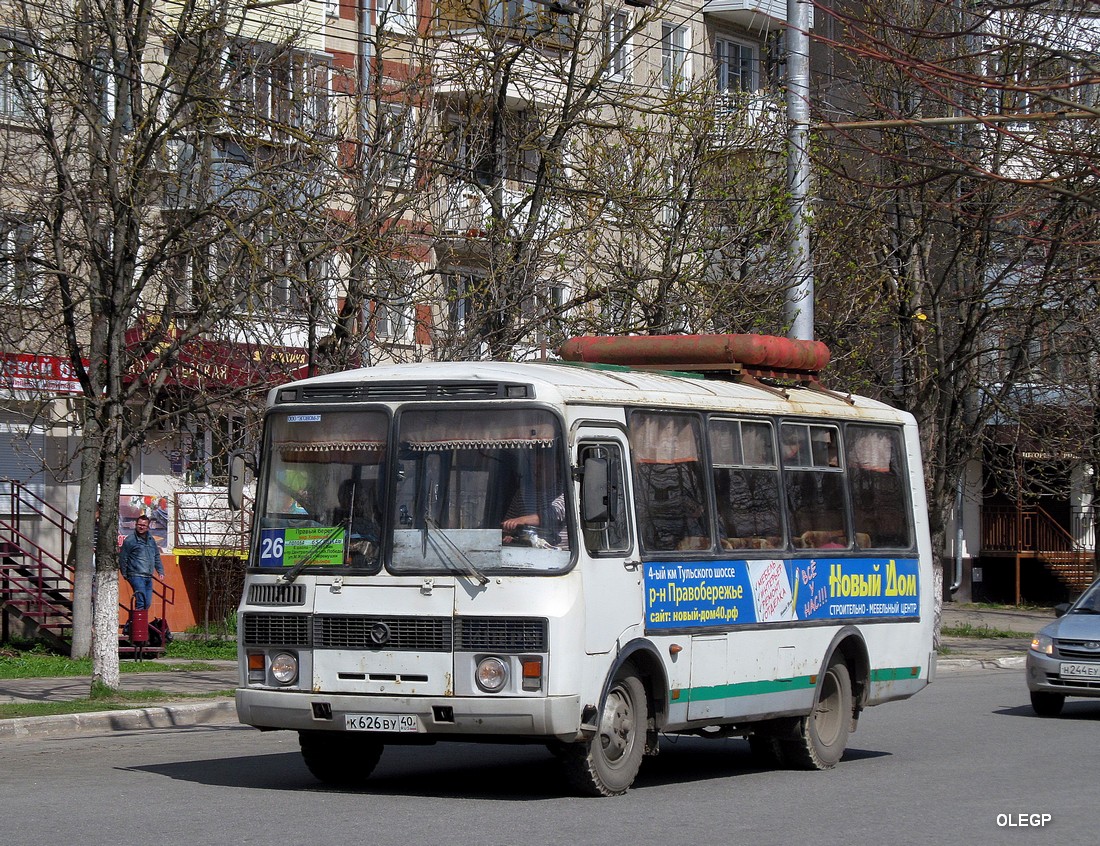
[1081, 671]
[381, 722]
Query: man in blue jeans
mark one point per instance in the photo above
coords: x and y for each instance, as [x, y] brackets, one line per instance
[138, 559]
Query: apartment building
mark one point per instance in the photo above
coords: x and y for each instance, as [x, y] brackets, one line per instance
[389, 180]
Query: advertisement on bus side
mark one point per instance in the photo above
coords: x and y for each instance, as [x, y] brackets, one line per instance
[693, 594]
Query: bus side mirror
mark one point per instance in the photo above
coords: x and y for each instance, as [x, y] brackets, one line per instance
[236, 482]
[595, 492]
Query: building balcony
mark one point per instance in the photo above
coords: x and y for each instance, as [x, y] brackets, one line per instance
[465, 211]
[463, 70]
[751, 14]
[750, 121]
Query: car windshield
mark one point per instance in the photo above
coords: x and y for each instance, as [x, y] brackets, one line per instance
[319, 503]
[479, 492]
[1089, 601]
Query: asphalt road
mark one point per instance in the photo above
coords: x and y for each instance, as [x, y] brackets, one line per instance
[953, 765]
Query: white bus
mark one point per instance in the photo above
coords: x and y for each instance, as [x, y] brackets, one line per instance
[584, 556]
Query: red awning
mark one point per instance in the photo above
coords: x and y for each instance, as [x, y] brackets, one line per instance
[204, 363]
[42, 374]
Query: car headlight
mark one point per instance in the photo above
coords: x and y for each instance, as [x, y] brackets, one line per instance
[491, 675]
[1043, 644]
[284, 667]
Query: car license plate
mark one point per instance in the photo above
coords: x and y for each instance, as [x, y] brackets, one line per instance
[1080, 671]
[381, 722]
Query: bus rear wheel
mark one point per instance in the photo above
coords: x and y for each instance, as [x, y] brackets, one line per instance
[822, 734]
[607, 763]
[339, 758]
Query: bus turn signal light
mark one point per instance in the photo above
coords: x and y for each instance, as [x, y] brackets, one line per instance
[532, 673]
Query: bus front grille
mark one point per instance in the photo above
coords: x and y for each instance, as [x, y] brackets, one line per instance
[500, 634]
[375, 632]
[276, 630]
[276, 594]
[422, 634]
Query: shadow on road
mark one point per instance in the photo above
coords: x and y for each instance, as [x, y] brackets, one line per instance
[476, 771]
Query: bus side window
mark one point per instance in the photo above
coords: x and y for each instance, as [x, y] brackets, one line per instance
[670, 487]
[746, 484]
[814, 482]
[604, 524]
[876, 477]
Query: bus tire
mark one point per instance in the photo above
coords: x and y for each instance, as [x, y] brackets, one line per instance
[823, 733]
[607, 763]
[339, 758]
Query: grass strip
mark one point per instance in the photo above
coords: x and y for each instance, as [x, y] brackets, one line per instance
[984, 632]
[37, 662]
[117, 700]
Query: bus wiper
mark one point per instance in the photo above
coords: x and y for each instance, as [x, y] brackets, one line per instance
[470, 569]
[293, 573]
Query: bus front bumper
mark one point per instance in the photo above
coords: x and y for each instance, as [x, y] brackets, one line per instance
[437, 717]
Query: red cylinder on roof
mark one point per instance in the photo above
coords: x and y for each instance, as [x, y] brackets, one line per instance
[767, 352]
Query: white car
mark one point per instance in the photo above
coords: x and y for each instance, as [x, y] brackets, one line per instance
[1064, 658]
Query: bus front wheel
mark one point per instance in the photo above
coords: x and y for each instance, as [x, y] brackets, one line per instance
[339, 758]
[607, 763]
[823, 733]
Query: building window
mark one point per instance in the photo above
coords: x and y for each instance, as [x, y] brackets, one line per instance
[397, 15]
[114, 89]
[19, 78]
[617, 44]
[17, 272]
[390, 309]
[272, 92]
[332, 8]
[675, 68]
[462, 286]
[394, 141]
[468, 149]
[211, 446]
[735, 66]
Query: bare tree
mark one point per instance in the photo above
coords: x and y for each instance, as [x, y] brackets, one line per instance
[956, 145]
[155, 186]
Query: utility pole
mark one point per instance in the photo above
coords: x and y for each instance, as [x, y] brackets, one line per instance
[799, 307]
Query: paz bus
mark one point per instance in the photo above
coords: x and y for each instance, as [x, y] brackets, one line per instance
[650, 537]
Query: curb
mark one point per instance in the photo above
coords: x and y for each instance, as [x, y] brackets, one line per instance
[209, 712]
[1012, 662]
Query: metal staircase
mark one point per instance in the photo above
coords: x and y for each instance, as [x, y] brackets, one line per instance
[36, 583]
[36, 586]
[1030, 532]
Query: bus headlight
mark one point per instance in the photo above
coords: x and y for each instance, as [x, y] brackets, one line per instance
[284, 667]
[491, 674]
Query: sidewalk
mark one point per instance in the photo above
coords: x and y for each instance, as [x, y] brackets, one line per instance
[218, 677]
[991, 653]
[957, 653]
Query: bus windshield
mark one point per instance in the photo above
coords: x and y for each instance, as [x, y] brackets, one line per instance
[479, 492]
[321, 503]
[476, 492]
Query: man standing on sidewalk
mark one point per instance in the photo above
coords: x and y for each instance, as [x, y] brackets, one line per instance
[138, 559]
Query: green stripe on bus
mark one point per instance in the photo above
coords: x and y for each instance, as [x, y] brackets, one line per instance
[758, 688]
[753, 688]
[889, 674]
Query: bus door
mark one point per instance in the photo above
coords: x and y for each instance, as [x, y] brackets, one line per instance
[611, 568]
